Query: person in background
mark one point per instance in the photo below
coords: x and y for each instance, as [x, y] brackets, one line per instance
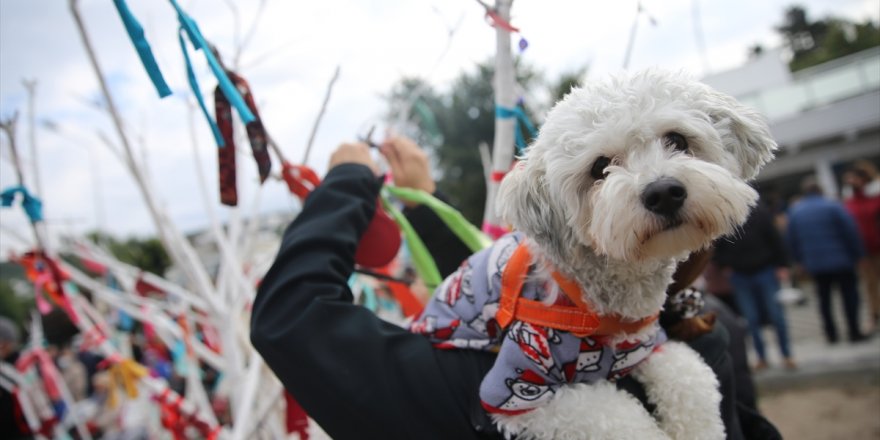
[864, 205]
[823, 238]
[756, 260]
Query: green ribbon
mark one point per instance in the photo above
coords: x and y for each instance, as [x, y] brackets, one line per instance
[424, 263]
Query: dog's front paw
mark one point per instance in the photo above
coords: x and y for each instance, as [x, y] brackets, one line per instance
[685, 392]
[581, 411]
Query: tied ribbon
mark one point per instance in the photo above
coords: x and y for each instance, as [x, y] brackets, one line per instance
[454, 220]
[145, 288]
[175, 420]
[46, 276]
[198, 41]
[42, 305]
[48, 372]
[197, 92]
[422, 260]
[300, 179]
[522, 121]
[92, 338]
[125, 372]
[136, 34]
[257, 137]
[33, 207]
[495, 20]
[494, 231]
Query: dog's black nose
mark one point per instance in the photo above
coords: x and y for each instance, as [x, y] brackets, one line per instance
[664, 196]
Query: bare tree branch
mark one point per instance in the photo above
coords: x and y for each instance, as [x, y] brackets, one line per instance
[320, 115]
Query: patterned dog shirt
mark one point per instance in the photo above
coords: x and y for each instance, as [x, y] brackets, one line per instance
[533, 361]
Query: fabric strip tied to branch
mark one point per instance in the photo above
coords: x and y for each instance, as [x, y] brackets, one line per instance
[502, 112]
[136, 34]
[33, 207]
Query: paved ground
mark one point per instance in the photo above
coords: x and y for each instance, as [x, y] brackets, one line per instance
[835, 391]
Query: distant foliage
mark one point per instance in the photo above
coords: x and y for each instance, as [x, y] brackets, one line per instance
[147, 254]
[452, 124]
[815, 42]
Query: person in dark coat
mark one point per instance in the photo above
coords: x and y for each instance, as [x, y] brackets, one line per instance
[824, 239]
[756, 260]
[360, 377]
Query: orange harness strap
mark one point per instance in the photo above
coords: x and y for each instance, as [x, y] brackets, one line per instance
[579, 320]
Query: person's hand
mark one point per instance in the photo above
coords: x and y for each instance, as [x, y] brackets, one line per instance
[409, 164]
[353, 153]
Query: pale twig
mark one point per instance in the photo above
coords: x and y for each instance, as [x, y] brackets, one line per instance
[320, 115]
[8, 126]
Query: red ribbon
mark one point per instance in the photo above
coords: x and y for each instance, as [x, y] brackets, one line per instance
[496, 21]
[300, 179]
[41, 359]
[176, 422]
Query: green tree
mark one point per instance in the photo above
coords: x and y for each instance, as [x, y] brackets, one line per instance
[145, 253]
[451, 125]
[815, 42]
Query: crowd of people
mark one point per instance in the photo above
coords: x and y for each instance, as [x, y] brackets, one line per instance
[830, 244]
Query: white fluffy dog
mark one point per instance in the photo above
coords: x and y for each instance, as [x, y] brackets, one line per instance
[626, 178]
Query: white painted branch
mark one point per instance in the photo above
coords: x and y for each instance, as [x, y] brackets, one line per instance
[505, 96]
[242, 412]
[179, 249]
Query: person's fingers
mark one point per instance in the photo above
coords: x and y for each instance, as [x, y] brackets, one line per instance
[352, 152]
[392, 154]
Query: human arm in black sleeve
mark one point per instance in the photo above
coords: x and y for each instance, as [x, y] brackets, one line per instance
[356, 375]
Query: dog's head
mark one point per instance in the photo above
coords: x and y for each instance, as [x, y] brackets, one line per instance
[642, 166]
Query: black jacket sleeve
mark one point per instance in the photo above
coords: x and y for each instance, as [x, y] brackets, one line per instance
[356, 375]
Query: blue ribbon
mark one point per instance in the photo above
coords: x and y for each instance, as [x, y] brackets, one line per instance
[198, 41]
[33, 207]
[194, 85]
[136, 34]
[521, 119]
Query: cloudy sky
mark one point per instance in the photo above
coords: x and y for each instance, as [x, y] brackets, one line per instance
[288, 60]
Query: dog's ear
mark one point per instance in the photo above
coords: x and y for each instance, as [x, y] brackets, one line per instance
[743, 131]
[519, 201]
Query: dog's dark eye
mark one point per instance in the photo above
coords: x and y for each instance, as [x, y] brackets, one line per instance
[675, 140]
[598, 170]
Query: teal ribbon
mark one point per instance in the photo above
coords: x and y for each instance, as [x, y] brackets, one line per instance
[194, 85]
[33, 207]
[198, 41]
[522, 120]
[136, 34]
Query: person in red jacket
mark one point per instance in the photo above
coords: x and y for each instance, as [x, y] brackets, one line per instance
[864, 205]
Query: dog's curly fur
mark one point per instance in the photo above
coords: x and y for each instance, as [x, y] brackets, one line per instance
[599, 231]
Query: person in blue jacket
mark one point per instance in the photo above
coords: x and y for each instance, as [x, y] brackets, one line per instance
[824, 240]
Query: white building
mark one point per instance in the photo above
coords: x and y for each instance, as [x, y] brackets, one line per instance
[823, 117]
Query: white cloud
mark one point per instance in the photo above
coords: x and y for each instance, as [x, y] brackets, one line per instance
[289, 60]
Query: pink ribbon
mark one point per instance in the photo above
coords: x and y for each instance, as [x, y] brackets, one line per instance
[494, 231]
[50, 375]
[42, 305]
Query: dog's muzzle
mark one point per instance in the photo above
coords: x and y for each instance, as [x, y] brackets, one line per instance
[664, 196]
